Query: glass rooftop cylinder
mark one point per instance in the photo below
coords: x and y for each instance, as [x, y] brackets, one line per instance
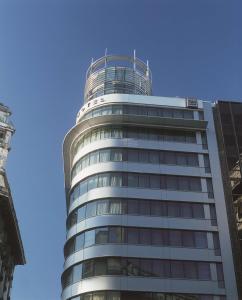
[117, 74]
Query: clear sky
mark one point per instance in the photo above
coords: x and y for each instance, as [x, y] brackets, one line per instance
[194, 48]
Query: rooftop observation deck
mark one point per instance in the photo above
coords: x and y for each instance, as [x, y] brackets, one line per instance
[117, 74]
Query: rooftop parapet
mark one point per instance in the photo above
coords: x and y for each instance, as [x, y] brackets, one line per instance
[112, 74]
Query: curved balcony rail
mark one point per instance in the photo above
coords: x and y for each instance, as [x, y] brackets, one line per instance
[130, 76]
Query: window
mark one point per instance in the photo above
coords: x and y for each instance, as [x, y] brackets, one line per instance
[198, 210]
[101, 235]
[133, 207]
[154, 181]
[102, 207]
[171, 183]
[175, 238]
[77, 273]
[132, 180]
[177, 269]
[174, 210]
[115, 207]
[188, 239]
[79, 242]
[146, 267]
[87, 269]
[144, 207]
[186, 210]
[116, 180]
[103, 180]
[92, 182]
[145, 236]
[204, 271]
[116, 155]
[100, 267]
[144, 181]
[91, 209]
[89, 238]
[190, 270]
[133, 236]
[156, 237]
[201, 240]
[104, 155]
[81, 213]
[114, 266]
[115, 235]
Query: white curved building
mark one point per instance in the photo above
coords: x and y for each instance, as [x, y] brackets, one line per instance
[146, 215]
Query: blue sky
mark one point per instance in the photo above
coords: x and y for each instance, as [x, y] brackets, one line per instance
[194, 48]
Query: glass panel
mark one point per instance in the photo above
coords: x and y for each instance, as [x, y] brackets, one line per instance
[155, 208]
[174, 210]
[156, 237]
[175, 238]
[204, 271]
[144, 207]
[101, 235]
[104, 155]
[186, 210]
[154, 157]
[133, 236]
[116, 155]
[133, 207]
[89, 238]
[154, 181]
[190, 269]
[132, 267]
[145, 236]
[146, 267]
[198, 210]
[201, 240]
[91, 209]
[133, 155]
[77, 273]
[170, 158]
[87, 269]
[195, 184]
[81, 213]
[144, 181]
[94, 158]
[171, 183]
[188, 238]
[183, 183]
[114, 266]
[192, 159]
[79, 242]
[102, 207]
[143, 156]
[181, 159]
[132, 180]
[100, 267]
[103, 180]
[115, 207]
[115, 235]
[116, 180]
[99, 296]
[92, 183]
[177, 269]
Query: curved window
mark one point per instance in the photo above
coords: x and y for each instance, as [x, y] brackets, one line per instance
[138, 267]
[137, 236]
[138, 110]
[136, 155]
[116, 206]
[131, 295]
[136, 180]
[141, 133]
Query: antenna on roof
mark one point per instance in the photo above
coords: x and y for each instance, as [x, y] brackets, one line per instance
[147, 68]
[106, 52]
[134, 59]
